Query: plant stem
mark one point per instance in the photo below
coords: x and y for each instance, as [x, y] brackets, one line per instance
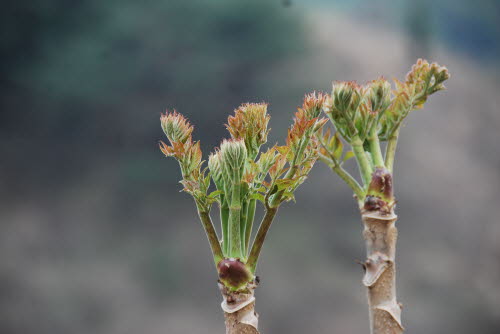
[249, 225]
[336, 166]
[351, 182]
[211, 235]
[234, 223]
[260, 237]
[243, 226]
[365, 168]
[380, 236]
[224, 217]
[375, 150]
[390, 151]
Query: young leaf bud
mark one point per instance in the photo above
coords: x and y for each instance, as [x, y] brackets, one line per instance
[249, 123]
[342, 95]
[441, 74]
[423, 80]
[233, 156]
[176, 127]
[313, 103]
[215, 167]
[379, 94]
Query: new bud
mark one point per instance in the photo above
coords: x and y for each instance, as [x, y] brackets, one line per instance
[441, 74]
[342, 95]
[432, 74]
[176, 127]
[249, 123]
[233, 155]
[425, 79]
[419, 71]
[379, 94]
[215, 167]
[313, 103]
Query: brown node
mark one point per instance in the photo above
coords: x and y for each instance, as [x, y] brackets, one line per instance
[233, 273]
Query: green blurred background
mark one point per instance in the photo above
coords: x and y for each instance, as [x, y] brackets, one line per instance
[94, 234]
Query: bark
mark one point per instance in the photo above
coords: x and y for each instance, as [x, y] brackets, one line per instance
[239, 310]
[380, 234]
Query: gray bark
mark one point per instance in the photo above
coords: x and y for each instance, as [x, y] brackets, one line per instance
[380, 235]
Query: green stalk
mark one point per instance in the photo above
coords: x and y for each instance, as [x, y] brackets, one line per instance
[375, 150]
[390, 151]
[224, 218]
[260, 237]
[344, 175]
[211, 235]
[351, 182]
[243, 226]
[365, 168]
[234, 222]
[249, 225]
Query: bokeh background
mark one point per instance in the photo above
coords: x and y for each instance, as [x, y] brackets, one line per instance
[94, 234]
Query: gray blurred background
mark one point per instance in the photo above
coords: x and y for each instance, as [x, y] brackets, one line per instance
[94, 234]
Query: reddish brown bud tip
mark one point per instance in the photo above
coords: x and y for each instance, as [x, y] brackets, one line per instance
[380, 196]
[233, 273]
[381, 183]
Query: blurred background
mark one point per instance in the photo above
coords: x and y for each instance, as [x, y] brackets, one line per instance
[94, 234]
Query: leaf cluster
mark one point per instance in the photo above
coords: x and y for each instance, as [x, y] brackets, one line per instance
[365, 116]
[241, 173]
